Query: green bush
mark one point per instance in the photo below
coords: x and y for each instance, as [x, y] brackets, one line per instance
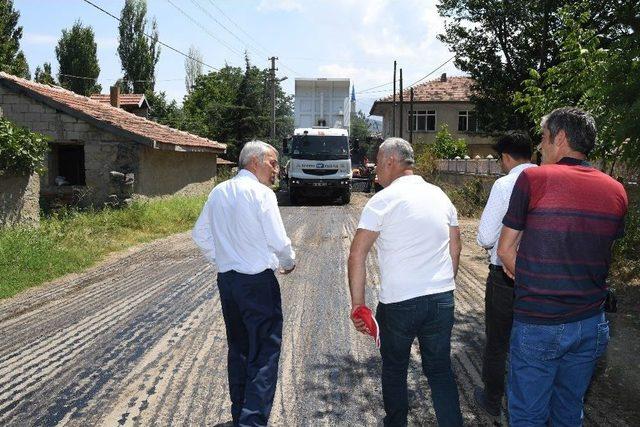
[468, 198]
[446, 146]
[21, 150]
[625, 266]
[426, 161]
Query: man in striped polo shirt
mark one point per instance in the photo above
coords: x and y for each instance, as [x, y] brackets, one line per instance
[562, 220]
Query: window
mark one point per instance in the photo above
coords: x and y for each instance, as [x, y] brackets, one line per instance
[69, 164]
[423, 120]
[467, 121]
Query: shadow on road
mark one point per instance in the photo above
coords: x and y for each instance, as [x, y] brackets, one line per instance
[342, 384]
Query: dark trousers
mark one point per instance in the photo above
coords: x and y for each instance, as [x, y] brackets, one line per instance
[252, 313]
[430, 319]
[498, 304]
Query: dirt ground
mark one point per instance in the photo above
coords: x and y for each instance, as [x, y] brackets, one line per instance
[140, 340]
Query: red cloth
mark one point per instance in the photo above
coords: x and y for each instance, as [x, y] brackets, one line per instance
[363, 312]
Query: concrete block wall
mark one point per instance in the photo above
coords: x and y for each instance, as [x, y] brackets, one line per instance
[168, 172]
[19, 199]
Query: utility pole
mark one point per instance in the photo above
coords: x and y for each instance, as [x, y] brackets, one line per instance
[411, 123]
[401, 105]
[273, 60]
[393, 121]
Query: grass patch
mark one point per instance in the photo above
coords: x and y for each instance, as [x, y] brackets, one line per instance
[469, 198]
[70, 241]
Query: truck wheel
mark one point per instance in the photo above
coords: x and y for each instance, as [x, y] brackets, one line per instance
[346, 196]
[294, 198]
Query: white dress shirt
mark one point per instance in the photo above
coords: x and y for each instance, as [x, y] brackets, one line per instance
[413, 218]
[240, 227]
[495, 210]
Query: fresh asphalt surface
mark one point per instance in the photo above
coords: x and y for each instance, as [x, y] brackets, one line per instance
[140, 340]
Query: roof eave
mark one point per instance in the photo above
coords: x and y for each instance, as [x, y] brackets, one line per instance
[187, 148]
[75, 113]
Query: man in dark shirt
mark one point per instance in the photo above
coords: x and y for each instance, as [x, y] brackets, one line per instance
[556, 240]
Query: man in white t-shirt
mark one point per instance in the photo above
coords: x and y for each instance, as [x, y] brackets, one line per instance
[415, 228]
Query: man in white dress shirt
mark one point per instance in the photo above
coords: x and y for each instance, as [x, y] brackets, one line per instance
[415, 228]
[241, 231]
[514, 155]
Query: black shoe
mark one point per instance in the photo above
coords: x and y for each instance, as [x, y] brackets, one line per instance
[482, 401]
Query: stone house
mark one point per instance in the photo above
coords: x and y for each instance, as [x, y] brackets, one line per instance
[442, 101]
[100, 153]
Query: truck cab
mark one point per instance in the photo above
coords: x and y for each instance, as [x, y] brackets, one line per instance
[320, 164]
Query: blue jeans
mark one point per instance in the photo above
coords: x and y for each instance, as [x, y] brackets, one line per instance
[550, 369]
[430, 319]
[252, 313]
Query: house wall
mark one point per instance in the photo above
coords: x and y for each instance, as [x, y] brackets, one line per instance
[169, 172]
[103, 151]
[446, 113]
[19, 199]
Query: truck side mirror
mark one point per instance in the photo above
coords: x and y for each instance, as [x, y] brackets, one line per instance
[285, 145]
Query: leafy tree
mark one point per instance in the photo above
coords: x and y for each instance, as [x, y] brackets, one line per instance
[360, 132]
[602, 81]
[43, 75]
[192, 67]
[139, 54]
[498, 42]
[233, 106]
[21, 150]
[446, 146]
[163, 111]
[359, 127]
[78, 61]
[12, 59]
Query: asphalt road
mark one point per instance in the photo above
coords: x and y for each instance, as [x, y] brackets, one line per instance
[140, 340]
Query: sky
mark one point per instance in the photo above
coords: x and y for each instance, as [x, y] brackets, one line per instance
[358, 39]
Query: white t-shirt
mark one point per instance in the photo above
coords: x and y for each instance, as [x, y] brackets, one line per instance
[413, 218]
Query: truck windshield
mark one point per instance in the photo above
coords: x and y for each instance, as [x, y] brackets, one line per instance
[319, 147]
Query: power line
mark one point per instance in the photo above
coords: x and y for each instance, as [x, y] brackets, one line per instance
[264, 49]
[118, 78]
[257, 44]
[374, 87]
[204, 29]
[433, 71]
[370, 90]
[247, 45]
[413, 84]
[152, 38]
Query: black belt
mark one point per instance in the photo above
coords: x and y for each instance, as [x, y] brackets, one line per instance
[493, 267]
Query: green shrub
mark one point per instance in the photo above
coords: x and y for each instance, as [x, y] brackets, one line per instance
[426, 161]
[625, 266]
[21, 150]
[469, 198]
[446, 146]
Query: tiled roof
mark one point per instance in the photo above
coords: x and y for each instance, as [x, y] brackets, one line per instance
[126, 99]
[109, 118]
[453, 89]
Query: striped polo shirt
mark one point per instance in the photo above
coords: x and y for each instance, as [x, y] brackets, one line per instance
[570, 214]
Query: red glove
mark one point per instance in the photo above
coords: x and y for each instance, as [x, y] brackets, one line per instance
[363, 312]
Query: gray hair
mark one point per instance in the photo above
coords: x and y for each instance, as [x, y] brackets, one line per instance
[401, 148]
[253, 149]
[578, 125]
